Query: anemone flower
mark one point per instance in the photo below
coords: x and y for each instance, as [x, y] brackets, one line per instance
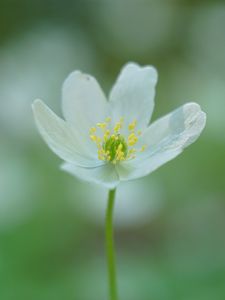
[109, 141]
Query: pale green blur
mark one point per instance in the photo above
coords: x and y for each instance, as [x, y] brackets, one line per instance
[170, 225]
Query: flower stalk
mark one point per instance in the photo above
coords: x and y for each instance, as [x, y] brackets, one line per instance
[110, 250]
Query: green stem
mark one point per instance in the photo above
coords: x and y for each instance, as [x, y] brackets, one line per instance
[110, 252]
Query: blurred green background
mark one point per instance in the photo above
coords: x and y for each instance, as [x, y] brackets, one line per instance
[170, 225]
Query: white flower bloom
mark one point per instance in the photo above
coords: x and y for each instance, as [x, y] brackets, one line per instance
[106, 142]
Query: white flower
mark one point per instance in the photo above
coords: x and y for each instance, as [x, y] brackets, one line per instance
[106, 142]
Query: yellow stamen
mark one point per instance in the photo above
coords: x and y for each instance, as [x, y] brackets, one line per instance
[132, 151]
[132, 139]
[93, 138]
[119, 152]
[117, 127]
[112, 146]
[132, 125]
[92, 130]
[108, 120]
[139, 132]
[102, 125]
[143, 148]
[106, 135]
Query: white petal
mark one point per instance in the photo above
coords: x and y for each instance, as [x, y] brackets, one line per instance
[60, 137]
[104, 175]
[132, 96]
[166, 138]
[83, 103]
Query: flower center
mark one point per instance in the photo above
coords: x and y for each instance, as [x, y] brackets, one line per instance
[115, 147]
[112, 145]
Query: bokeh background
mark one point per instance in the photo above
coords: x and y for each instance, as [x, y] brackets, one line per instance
[170, 225]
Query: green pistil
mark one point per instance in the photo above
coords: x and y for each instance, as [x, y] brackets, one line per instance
[112, 144]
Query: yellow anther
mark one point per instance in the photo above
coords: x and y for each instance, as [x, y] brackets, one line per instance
[96, 139]
[101, 154]
[118, 125]
[143, 148]
[108, 120]
[120, 153]
[106, 135]
[132, 151]
[132, 139]
[112, 145]
[92, 130]
[93, 138]
[132, 125]
[139, 132]
[102, 125]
